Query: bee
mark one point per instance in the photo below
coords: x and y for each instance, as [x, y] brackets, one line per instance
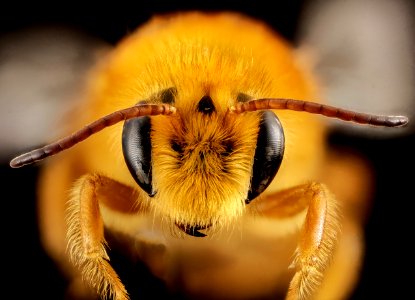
[200, 151]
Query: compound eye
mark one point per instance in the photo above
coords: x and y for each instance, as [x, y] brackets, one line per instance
[136, 146]
[268, 154]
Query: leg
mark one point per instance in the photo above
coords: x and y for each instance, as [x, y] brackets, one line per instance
[356, 200]
[343, 273]
[86, 243]
[318, 235]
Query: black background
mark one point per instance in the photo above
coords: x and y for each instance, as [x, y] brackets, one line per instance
[29, 273]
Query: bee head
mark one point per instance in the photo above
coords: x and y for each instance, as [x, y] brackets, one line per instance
[203, 164]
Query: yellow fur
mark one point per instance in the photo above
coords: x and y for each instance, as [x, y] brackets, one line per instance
[312, 265]
[92, 259]
[212, 56]
[220, 55]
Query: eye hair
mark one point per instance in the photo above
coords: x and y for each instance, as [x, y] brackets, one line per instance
[166, 109]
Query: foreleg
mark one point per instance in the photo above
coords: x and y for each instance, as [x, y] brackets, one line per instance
[318, 235]
[86, 242]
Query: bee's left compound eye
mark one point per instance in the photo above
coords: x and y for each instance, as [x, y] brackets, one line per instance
[268, 154]
[136, 146]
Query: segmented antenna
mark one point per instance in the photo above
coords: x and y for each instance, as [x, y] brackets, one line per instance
[165, 109]
[88, 130]
[321, 109]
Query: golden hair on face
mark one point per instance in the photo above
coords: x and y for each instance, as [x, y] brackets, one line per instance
[203, 113]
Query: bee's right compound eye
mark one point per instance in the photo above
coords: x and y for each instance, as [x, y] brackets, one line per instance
[136, 146]
[268, 154]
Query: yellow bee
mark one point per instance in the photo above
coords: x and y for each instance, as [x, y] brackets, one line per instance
[208, 170]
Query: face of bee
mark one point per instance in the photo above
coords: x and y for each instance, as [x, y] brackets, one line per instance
[203, 165]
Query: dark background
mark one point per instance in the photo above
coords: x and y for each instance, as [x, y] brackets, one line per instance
[29, 273]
